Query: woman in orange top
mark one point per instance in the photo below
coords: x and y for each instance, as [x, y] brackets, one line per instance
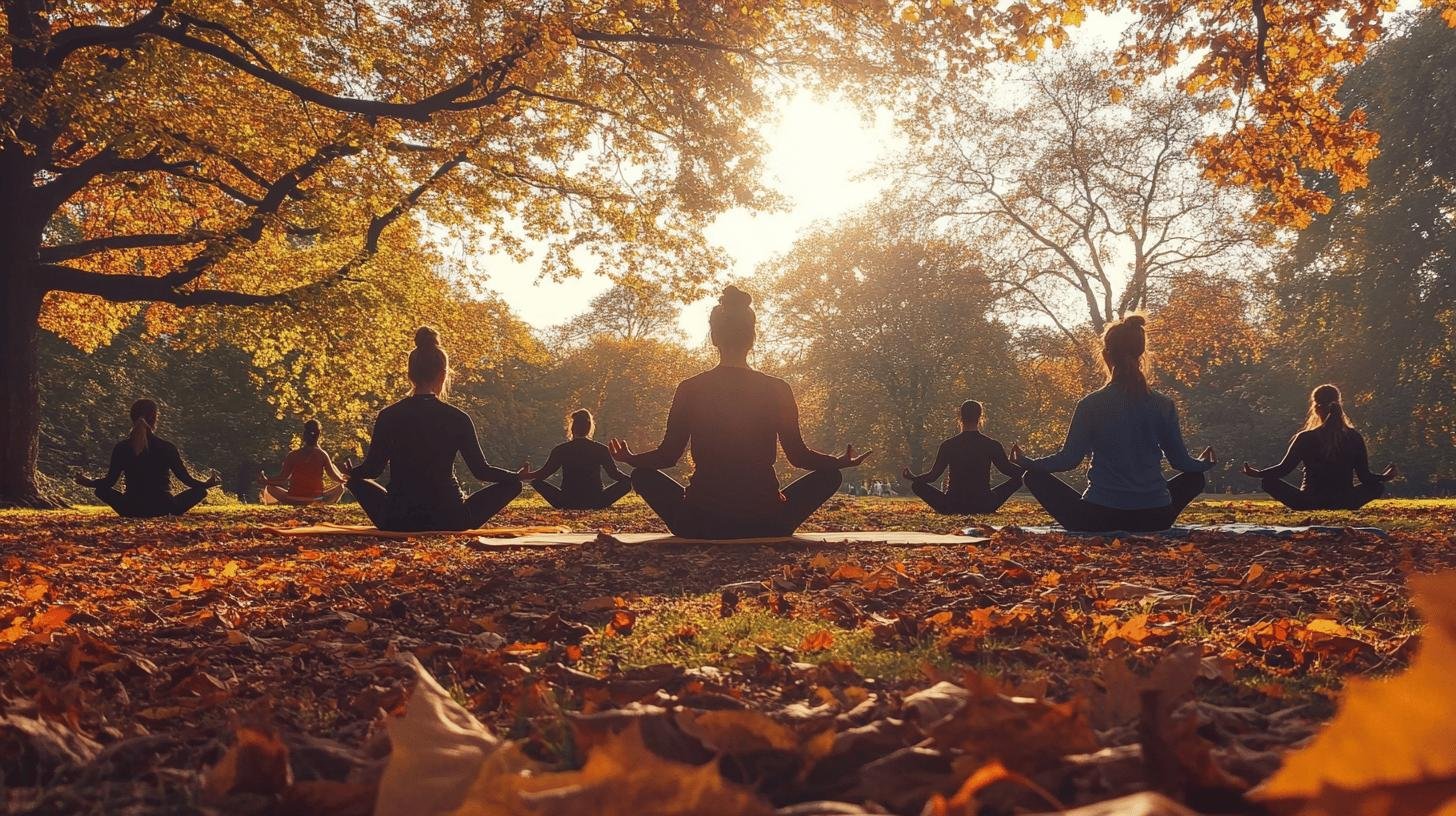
[302, 479]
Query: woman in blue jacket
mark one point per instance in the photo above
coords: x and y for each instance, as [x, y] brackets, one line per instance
[1129, 429]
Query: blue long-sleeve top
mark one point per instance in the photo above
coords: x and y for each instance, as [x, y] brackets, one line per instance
[1128, 436]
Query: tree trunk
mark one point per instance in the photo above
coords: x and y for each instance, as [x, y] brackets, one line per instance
[19, 391]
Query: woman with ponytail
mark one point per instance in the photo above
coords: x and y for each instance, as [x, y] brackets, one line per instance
[735, 419]
[418, 439]
[1333, 454]
[302, 480]
[581, 460]
[148, 462]
[1129, 429]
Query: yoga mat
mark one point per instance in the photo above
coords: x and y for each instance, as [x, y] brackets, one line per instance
[893, 538]
[326, 529]
[1183, 531]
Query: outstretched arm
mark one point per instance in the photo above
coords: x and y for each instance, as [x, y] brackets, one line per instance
[791, 437]
[1170, 439]
[377, 456]
[180, 471]
[1074, 448]
[1362, 465]
[1279, 471]
[113, 472]
[1003, 463]
[553, 464]
[281, 480]
[936, 469]
[670, 449]
[332, 469]
[469, 446]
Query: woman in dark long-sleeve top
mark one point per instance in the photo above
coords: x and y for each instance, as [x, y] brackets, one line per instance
[1333, 454]
[148, 462]
[735, 419]
[1129, 429]
[418, 438]
[582, 461]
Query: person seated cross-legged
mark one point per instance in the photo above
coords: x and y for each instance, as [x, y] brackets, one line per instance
[968, 456]
[148, 462]
[734, 418]
[1128, 428]
[581, 460]
[418, 439]
[1333, 454]
[301, 482]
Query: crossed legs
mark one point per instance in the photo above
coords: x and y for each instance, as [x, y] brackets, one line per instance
[667, 499]
[132, 506]
[1073, 512]
[561, 500]
[1352, 498]
[989, 502]
[478, 508]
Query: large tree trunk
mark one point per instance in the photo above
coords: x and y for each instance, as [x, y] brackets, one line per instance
[19, 389]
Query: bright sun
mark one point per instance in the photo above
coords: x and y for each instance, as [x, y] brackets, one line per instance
[820, 150]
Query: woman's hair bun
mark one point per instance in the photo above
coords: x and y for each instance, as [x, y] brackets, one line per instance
[1135, 320]
[426, 337]
[735, 298]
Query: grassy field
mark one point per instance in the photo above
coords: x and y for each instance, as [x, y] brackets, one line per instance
[143, 643]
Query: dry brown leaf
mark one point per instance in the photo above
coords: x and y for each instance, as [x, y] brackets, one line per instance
[1388, 733]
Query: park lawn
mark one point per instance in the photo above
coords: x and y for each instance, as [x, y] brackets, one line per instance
[153, 639]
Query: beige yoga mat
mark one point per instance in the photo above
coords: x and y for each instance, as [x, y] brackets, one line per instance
[894, 538]
[513, 534]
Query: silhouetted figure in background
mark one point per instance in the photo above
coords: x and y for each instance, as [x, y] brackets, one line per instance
[735, 418]
[1333, 454]
[148, 462]
[418, 438]
[1128, 428]
[581, 461]
[968, 456]
[302, 479]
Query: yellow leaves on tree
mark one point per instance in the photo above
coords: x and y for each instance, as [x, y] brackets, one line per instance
[1389, 749]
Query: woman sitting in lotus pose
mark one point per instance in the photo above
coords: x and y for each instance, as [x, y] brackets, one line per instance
[581, 461]
[418, 438]
[302, 479]
[968, 456]
[734, 418]
[1333, 454]
[1128, 428]
[148, 462]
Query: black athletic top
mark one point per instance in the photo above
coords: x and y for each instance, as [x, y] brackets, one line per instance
[581, 462]
[969, 456]
[735, 419]
[1322, 471]
[147, 473]
[418, 438]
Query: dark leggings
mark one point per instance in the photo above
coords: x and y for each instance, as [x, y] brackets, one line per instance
[1073, 512]
[600, 499]
[668, 499]
[132, 505]
[988, 502]
[1351, 498]
[472, 512]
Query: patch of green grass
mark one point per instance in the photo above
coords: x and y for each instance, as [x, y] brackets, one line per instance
[690, 632]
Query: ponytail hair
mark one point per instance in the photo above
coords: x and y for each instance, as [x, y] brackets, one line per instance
[580, 423]
[428, 362]
[143, 422]
[1124, 344]
[1327, 419]
[732, 323]
[312, 430]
